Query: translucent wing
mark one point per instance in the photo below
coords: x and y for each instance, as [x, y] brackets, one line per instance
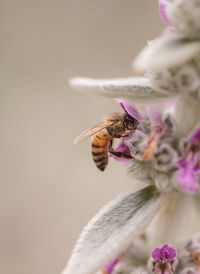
[91, 131]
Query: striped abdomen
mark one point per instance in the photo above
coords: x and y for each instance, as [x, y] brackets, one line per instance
[100, 143]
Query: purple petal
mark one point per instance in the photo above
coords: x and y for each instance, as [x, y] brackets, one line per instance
[168, 252]
[163, 5]
[107, 269]
[182, 163]
[165, 251]
[187, 179]
[155, 115]
[172, 254]
[197, 169]
[189, 165]
[122, 147]
[190, 160]
[156, 254]
[129, 108]
[195, 138]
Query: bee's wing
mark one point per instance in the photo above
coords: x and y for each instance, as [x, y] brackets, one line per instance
[91, 131]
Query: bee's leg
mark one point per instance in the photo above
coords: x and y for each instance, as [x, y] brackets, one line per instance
[120, 136]
[118, 154]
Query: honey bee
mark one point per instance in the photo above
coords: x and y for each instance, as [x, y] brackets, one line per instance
[115, 125]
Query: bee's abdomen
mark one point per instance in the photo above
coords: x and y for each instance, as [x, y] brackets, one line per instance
[100, 160]
[99, 148]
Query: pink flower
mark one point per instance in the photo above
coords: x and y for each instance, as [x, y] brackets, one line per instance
[164, 253]
[163, 257]
[189, 164]
[123, 147]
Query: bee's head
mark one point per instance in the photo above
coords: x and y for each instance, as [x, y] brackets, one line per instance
[130, 123]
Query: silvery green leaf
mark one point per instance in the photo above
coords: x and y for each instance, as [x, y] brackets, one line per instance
[112, 230]
[134, 258]
[134, 87]
[167, 52]
[187, 114]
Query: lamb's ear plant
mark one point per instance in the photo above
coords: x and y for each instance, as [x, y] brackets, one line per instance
[155, 229]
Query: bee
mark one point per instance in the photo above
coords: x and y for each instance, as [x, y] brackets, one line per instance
[115, 125]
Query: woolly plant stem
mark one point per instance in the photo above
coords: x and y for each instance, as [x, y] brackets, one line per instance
[187, 114]
[170, 224]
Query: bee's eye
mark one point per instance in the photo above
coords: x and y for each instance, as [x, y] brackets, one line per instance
[131, 121]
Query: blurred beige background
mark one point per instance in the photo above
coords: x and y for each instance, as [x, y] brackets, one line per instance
[49, 187]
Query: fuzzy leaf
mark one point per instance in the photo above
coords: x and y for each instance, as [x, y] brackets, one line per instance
[112, 230]
[167, 52]
[134, 87]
